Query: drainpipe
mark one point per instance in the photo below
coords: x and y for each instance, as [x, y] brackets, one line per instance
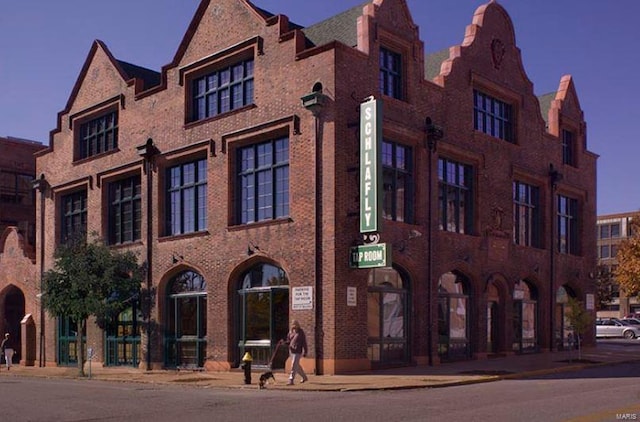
[554, 178]
[434, 133]
[314, 102]
[41, 185]
[147, 152]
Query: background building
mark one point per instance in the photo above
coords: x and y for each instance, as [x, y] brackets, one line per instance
[17, 238]
[613, 229]
[235, 174]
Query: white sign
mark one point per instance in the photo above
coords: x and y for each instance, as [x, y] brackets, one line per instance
[591, 302]
[302, 298]
[352, 296]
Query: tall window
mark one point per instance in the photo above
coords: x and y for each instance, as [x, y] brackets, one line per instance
[224, 90]
[397, 181]
[526, 215]
[568, 148]
[567, 225]
[455, 196]
[74, 215]
[125, 210]
[98, 135]
[493, 117]
[263, 181]
[187, 197]
[263, 314]
[186, 321]
[390, 73]
[387, 317]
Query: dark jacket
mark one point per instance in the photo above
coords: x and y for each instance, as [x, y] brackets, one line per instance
[297, 341]
[6, 344]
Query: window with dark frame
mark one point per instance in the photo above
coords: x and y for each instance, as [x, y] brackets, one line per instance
[567, 225]
[98, 135]
[493, 117]
[223, 90]
[455, 196]
[16, 188]
[187, 197]
[390, 73]
[262, 181]
[73, 215]
[526, 215]
[568, 148]
[125, 210]
[397, 176]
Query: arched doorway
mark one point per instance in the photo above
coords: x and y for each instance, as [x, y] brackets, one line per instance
[493, 318]
[123, 338]
[525, 317]
[186, 321]
[453, 317]
[262, 299]
[13, 312]
[387, 317]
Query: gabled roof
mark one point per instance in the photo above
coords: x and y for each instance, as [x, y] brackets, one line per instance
[545, 105]
[341, 27]
[150, 77]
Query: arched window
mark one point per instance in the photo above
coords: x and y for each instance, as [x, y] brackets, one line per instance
[186, 322]
[387, 302]
[263, 314]
[525, 320]
[453, 317]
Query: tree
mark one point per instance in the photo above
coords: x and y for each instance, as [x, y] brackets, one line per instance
[90, 279]
[580, 321]
[605, 286]
[628, 272]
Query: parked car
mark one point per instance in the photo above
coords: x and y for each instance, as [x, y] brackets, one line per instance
[612, 327]
[632, 321]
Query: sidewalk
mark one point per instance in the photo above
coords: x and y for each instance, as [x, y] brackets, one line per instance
[443, 375]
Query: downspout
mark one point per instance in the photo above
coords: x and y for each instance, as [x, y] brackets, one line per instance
[314, 102]
[147, 152]
[41, 185]
[554, 178]
[434, 133]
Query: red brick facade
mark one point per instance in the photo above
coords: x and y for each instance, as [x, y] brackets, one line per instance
[312, 240]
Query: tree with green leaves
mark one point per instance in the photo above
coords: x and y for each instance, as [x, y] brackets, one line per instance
[628, 272]
[90, 279]
[580, 321]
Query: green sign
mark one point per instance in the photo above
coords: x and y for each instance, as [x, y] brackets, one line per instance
[370, 165]
[370, 256]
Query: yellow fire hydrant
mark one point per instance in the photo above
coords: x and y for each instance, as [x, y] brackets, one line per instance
[246, 366]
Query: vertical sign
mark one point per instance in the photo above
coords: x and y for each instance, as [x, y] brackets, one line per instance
[352, 296]
[302, 298]
[370, 165]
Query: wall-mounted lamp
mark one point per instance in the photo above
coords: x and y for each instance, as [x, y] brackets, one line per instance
[252, 248]
[175, 258]
[554, 175]
[434, 134]
[314, 101]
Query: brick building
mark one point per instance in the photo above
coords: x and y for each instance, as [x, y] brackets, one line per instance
[17, 234]
[234, 174]
[612, 230]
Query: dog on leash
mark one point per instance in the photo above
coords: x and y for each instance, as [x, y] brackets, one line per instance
[264, 378]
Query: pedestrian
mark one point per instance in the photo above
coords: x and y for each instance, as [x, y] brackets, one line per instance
[7, 350]
[297, 342]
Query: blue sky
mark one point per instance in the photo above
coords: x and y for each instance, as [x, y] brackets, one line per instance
[43, 44]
